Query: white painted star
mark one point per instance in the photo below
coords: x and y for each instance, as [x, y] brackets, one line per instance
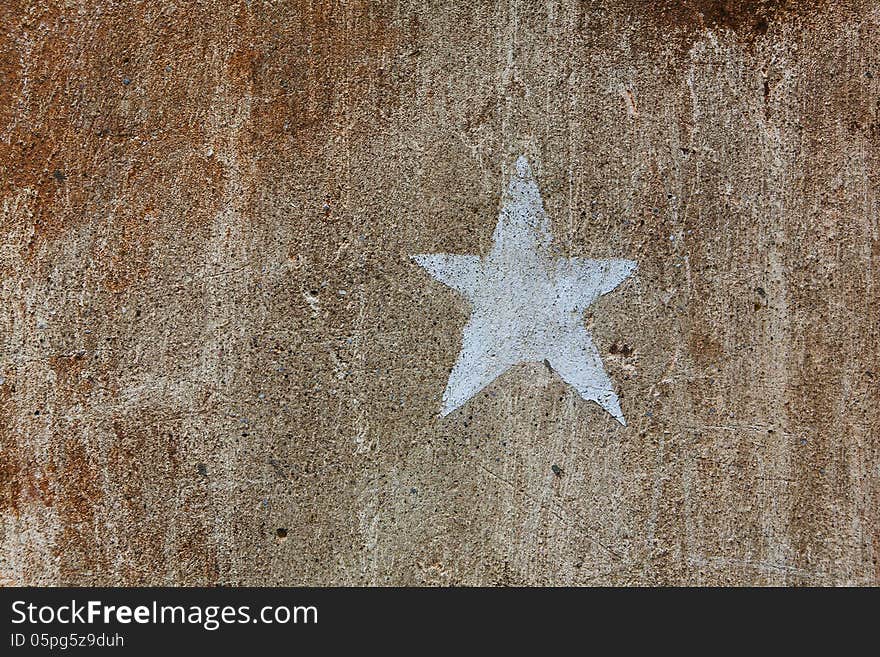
[527, 305]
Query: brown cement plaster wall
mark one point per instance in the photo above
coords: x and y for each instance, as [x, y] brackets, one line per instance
[218, 364]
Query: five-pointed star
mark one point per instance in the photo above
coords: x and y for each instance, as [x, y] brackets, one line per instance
[527, 305]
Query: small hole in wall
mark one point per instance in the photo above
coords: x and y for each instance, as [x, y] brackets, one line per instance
[281, 533]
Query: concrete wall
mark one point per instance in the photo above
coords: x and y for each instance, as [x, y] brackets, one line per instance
[218, 363]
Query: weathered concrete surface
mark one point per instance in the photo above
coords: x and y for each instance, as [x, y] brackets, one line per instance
[219, 364]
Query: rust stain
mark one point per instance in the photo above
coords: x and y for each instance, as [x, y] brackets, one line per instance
[308, 83]
[145, 462]
[750, 19]
[110, 131]
[81, 507]
[68, 370]
[22, 481]
[94, 131]
[10, 470]
[11, 484]
[79, 481]
[672, 26]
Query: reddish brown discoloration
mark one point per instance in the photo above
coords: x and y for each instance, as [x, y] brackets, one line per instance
[10, 480]
[143, 460]
[79, 546]
[750, 19]
[10, 470]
